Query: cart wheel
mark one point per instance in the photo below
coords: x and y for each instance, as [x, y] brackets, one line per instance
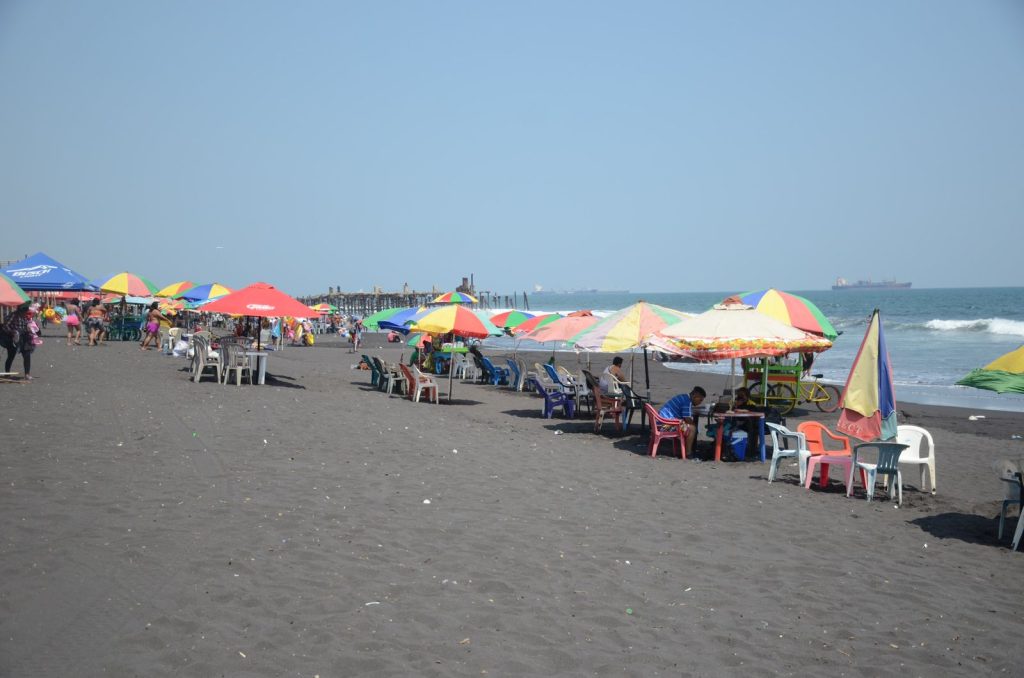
[783, 397]
[832, 393]
[755, 391]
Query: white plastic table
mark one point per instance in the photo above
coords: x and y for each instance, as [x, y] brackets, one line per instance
[260, 360]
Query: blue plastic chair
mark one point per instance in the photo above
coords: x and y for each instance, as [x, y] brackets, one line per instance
[553, 399]
[516, 382]
[495, 375]
[888, 465]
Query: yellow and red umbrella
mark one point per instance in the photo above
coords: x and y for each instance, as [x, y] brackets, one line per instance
[325, 309]
[175, 288]
[462, 321]
[131, 284]
[10, 293]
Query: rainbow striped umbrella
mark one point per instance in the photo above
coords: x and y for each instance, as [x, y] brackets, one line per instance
[510, 319]
[464, 322]
[204, 292]
[627, 329]
[325, 309]
[537, 322]
[455, 298]
[454, 318]
[129, 283]
[792, 310]
[10, 293]
[175, 288]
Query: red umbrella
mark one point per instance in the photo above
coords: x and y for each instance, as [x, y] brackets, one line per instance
[261, 300]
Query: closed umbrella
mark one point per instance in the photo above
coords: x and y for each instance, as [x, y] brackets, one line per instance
[869, 399]
[1005, 374]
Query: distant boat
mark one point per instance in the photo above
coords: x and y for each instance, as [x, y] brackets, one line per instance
[844, 284]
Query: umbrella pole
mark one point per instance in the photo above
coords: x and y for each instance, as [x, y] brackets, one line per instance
[732, 382]
[647, 373]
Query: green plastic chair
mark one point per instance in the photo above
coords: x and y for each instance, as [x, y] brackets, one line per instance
[887, 466]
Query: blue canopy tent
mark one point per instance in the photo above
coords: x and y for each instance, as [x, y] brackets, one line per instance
[40, 273]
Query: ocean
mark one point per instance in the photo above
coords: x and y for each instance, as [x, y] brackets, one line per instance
[935, 336]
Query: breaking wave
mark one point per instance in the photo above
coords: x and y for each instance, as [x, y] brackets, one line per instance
[989, 325]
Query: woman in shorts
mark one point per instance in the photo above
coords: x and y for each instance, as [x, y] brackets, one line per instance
[152, 327]
[73, 321]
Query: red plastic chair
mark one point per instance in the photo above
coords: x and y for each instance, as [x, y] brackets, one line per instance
[665, 429]
[817, 435]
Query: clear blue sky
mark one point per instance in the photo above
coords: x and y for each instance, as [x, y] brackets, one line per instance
[652, 146]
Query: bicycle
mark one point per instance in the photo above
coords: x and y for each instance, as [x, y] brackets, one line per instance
[785, 398]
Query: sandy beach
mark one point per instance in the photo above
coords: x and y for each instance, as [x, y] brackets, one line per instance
[317, 527]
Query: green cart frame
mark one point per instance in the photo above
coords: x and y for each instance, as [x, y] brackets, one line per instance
[784, 386]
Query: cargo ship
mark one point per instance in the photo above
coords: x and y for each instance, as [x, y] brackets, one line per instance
[844, 284]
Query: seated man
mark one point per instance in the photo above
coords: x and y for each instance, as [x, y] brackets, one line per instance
[681, 407]
[611, 377]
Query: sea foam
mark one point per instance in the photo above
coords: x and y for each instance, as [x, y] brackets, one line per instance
[990, 325]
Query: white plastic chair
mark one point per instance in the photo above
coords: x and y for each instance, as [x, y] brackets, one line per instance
[785, 444]
[1011, 472]
[203, 359]
[920, 452]
[233, 358]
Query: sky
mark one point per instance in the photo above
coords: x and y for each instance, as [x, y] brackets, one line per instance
[651, 146]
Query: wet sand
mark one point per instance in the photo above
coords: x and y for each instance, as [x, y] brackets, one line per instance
[154, 526]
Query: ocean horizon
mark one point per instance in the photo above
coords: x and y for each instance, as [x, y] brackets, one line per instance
[935, 335]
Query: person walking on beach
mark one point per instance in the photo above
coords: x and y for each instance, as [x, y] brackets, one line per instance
[95, 317]
[16, 335]
[681, 407]
[73, 321]
[153, 319]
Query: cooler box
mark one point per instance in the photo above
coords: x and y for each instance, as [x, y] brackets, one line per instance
[738, 442]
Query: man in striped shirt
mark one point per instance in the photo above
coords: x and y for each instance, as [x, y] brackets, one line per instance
[681, 407]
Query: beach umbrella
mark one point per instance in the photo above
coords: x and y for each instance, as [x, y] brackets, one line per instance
[1005, 374]
[626, 330]
[129, 283]
[400, 321]
[10, 293]
[510, 319]
[40, 273]
[455, 298]
[204, 292]
[869, 400]
[261, 300]
[418, 339]
[792, 310]
[175, 288]
[325, 309]
[459, 320]
[536, 322]
[735, 330]
[372, 322]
